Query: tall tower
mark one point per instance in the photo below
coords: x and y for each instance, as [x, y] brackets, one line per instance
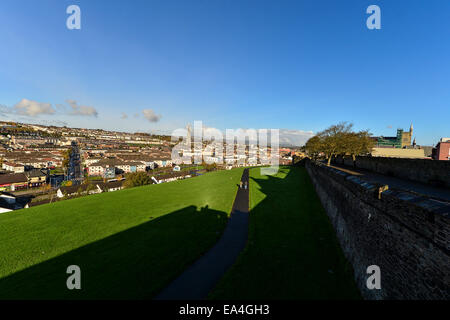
[407, 137]
[188, 135]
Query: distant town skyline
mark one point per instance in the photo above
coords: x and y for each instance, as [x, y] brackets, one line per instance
[299, 66]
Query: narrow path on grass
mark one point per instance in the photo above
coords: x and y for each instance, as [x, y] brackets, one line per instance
[197, 280]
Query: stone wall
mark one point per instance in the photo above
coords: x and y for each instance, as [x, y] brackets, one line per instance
[406, 236]
[398, 152]
[432, 172]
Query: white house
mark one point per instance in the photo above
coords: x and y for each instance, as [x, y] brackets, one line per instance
[15, 167]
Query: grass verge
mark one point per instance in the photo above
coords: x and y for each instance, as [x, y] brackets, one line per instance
[129, 244]
[292, 251]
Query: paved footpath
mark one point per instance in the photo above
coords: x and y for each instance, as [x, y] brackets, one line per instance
[397, 183]
[200, 278]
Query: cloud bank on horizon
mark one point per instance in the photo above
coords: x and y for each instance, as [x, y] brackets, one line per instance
[287, 137]
[294, 137]
[33, 109]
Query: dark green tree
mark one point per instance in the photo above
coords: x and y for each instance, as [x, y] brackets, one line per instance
[136, 179]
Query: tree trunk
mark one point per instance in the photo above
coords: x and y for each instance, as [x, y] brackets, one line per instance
[329, 160]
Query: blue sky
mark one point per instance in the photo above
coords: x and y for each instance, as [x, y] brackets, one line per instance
[299, 65]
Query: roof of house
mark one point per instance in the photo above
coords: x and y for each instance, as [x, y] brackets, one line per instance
[106, 162]
[111, 184]
[20, 201]
[5, 204]
[13, 178]
[35, 173]
[102, 185]
[73, 188]
[12, 164]
[130, 163]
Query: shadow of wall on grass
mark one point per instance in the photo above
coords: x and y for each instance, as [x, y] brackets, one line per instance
[292, 251]
[132, 264]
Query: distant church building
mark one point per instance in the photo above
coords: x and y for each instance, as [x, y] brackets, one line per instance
[407, 137]
[399, 146]
[402, 140]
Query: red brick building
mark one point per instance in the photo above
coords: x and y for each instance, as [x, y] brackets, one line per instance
[442, 150]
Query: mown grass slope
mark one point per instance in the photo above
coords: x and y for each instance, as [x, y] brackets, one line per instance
[128, 244]
[292, 251]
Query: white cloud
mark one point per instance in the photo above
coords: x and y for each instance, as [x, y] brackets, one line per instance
[81, 110]
[150, 115]
[32, 108]
[294, 137]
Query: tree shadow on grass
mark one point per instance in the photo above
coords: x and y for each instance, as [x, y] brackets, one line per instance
[132, 264]
[292, 251]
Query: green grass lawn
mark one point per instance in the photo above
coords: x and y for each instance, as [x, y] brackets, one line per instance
[292, 251]
[128, 244]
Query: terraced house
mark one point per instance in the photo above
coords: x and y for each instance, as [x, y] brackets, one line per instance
[36, 177]
[33, 159]
[99, 168]
[125, 164]
[28, 179]
[13, 181]
[13, 167]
